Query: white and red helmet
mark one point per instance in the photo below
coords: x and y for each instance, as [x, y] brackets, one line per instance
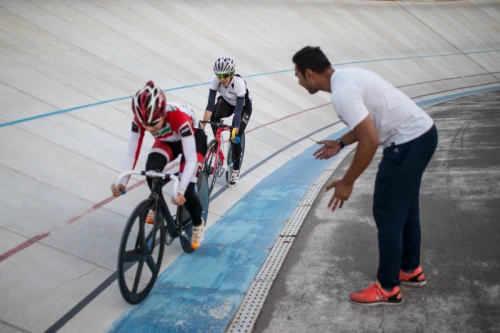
[149, 104]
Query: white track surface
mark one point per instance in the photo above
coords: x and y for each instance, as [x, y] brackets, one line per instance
[56, 55]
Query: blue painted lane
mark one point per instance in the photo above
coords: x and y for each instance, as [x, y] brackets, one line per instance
[262, 208]
[229, 232]
[277, 188]
[220, 269]
[178, 310]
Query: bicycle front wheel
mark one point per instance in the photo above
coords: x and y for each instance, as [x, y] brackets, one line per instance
[242, 142]
[231, 158]
[138, 246]
[210, 166]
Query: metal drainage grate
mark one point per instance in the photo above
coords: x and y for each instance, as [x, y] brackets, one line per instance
[311, 194]
[275, 259]
[250, 308]
[323, 178]
[295, 222]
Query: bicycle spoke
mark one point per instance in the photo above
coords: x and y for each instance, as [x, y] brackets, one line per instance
[151, 264]
[132, 256]
[140, 236]
[138, 276]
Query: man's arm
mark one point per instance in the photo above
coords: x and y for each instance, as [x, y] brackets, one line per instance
[366, 134]
[351, 108]
[349, 138]
[368, 143]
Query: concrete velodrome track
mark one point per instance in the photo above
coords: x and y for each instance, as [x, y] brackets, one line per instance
[67, 71]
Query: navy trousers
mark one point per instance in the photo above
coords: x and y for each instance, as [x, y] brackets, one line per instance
[396, 205]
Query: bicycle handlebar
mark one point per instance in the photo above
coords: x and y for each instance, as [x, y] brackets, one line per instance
[151, 174]
[221, 125]
[217, 124]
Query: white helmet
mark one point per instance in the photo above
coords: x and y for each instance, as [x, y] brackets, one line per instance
[224, 65]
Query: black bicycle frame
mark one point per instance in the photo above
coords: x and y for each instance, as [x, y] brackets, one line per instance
[157, 196]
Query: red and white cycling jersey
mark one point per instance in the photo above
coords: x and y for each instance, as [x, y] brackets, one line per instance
[178, 126]
[180, 117]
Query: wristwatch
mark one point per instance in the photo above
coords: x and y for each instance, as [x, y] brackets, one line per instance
[342, 145]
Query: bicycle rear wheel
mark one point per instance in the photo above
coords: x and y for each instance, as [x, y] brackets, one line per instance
[242, 149]
[209, 165]
[184, 218]
[138, 245]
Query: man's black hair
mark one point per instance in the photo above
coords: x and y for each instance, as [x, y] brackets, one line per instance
[311, 58]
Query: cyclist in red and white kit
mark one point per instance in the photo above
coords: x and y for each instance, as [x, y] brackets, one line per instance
[173, 127]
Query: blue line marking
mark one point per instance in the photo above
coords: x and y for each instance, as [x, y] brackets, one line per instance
[14, 122]
[442, 99]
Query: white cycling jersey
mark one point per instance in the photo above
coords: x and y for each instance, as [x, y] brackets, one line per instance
[236, 87]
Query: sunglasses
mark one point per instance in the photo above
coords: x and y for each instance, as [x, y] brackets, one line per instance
[154, 122]
[223, 76]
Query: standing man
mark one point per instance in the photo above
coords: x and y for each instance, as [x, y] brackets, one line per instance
[378, 114]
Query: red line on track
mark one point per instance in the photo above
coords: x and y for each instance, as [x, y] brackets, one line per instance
[45, 234]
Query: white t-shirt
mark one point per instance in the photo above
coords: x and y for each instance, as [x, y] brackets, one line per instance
[357, 92]
[235, 88]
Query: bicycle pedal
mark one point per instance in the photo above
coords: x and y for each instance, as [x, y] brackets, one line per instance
[186, 236]
[168, 238]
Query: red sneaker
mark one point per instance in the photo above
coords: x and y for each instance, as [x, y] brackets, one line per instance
[415, 279]
[375, 295]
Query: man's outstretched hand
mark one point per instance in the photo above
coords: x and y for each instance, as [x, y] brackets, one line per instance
[330, 148]
[342, 192]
